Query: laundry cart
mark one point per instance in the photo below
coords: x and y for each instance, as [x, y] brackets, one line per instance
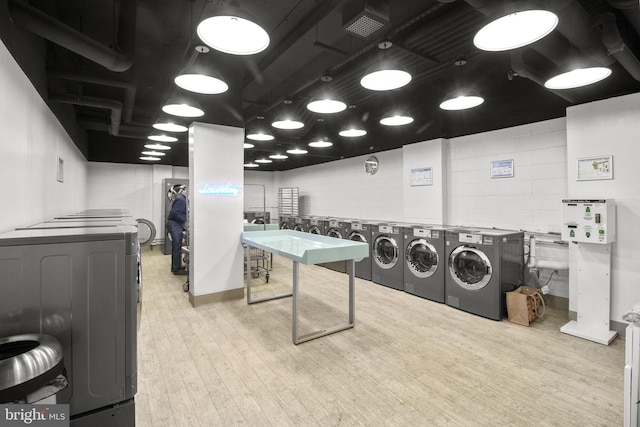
[260, 262]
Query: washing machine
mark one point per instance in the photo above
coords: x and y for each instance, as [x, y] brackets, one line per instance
[316, 226]
[286, 222]
[424, 261]
[482, 265]
[306, 223]
[387, 253]
[361, 232]
[298, 224]
[336, 228]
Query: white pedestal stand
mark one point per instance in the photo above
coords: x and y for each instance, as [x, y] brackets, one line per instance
[594, 290]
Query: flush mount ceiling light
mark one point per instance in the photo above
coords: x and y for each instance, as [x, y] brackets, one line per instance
[149, 158]
[154, 153]
[247, 145]
[287, 124]
[515, 30]
[264, 161]
[396, 120]
[385, 75]
[278, 156]
[352, 132]
[461, 102]
[260, 136]
[197, 79]
[251, 165]
[231, 30]
[320, 144]
[157, 147]
[297, 151]
[181, 108]
[162, 138]
[170, 127]
[326, 106]
[578, 78]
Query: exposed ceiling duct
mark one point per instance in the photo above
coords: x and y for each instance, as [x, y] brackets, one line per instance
[630, 9]
[616, 46]
[47, 27]
[86, 101]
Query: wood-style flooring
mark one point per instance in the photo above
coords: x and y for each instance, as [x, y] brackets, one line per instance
[408, 361]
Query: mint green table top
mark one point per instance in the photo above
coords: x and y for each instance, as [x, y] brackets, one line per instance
[304, 247]
[260, 227]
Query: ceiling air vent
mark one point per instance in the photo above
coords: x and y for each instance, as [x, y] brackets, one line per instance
[364, 18]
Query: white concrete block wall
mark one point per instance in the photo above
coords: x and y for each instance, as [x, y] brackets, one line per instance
[256, 196]
[31, 143]
[528, 201]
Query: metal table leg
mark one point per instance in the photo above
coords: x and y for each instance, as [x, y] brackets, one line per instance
[249, 299]
[321, 333]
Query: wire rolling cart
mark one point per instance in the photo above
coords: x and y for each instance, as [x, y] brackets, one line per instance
[260, 261]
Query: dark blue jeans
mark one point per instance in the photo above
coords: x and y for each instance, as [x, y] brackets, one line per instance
[175, 230]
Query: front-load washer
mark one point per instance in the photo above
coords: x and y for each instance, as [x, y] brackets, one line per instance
[424, 261]
[286, 222]
[306, 223]
[298, 224]
[483, 264]
[317, 226]
[336, 228]
[387, 252]
[361, 232]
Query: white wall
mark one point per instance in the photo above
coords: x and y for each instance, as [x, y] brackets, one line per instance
[611, 127]
[31, 143]
[257, 197]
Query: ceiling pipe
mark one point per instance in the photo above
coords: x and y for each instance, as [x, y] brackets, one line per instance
[125, 131]
[45, 26]
[617, 48]
[86, 101]
[130, 89]
[630, 9]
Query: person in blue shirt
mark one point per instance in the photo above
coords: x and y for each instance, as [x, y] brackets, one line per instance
[175, 224]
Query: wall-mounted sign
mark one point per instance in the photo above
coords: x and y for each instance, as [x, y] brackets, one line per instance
[220, 190]
[502, 169]
[590, 168]
[421, 176]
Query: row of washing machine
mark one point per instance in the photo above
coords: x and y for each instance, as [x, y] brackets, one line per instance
[467, 268]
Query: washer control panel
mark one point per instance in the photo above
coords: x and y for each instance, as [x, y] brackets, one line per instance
[589, 221]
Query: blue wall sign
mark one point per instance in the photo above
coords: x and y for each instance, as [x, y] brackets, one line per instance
[220, 190]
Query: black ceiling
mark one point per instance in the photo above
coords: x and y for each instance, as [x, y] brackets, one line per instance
[108, 109]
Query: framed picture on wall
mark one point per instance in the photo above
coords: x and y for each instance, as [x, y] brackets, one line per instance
[591, 168]
[502, 169]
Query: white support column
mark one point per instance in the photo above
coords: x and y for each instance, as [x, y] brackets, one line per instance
[216, 181]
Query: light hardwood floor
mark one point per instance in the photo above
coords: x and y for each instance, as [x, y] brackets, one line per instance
[407, 362]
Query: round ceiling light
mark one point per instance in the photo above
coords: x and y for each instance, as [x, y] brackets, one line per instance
[157, 147]
[229, 32]
[278, 156]
[287, 124]
[320, 144]
[385, 79]
[462, 102]
[264, 161]
[578, 78]
[182, 109]
[326, 106]
[154, 153]
[396, 120]
[251, 165]
[201, 83]
[352, 133]
[297, 151]
[149, 158]
[170, 127]
[247, 145]
[515, 30]
[162, 138]
[260, 136]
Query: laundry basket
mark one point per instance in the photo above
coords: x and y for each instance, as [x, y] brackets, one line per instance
[31, 368]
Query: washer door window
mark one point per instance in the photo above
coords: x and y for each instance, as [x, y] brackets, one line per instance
[385, 252]
[422, 258]
[470, 267]
[284, 226]
[357, 237]
[334, 233]
[298, 227]
[315, 230]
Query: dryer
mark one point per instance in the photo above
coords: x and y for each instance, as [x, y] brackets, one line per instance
[361, 232]
[483, 264]
[424, 261]
[387, 253]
